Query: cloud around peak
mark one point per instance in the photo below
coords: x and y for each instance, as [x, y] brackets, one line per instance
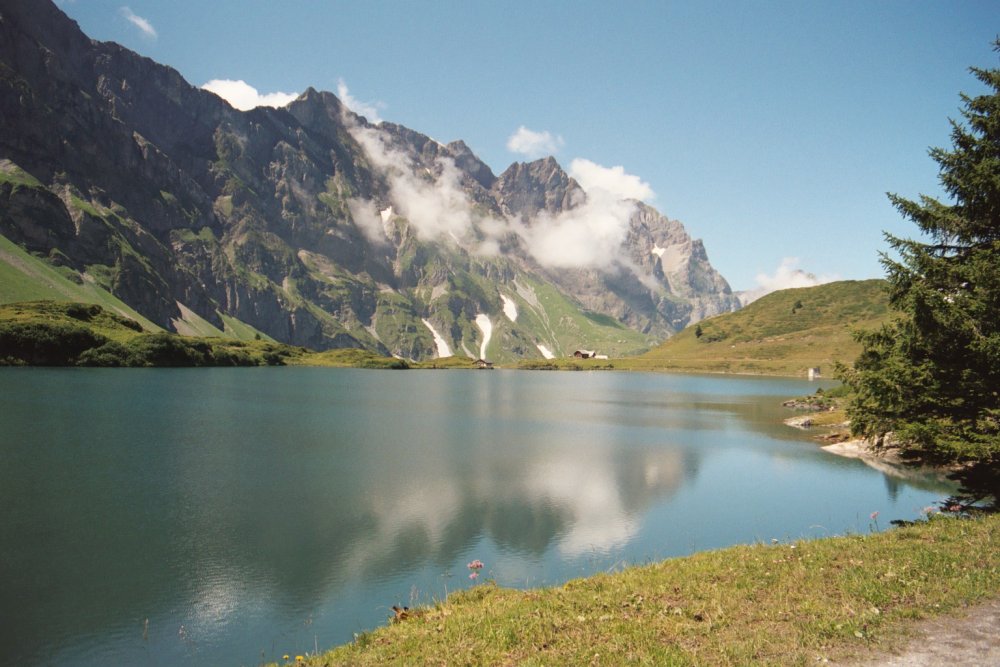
[788, 275]
[533, 144]
[244, 97]
[370, 110]
[613, 180]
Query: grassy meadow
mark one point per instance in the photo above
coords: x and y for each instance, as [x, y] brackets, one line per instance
[783, 333]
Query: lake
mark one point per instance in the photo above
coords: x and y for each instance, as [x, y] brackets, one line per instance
[230, 516]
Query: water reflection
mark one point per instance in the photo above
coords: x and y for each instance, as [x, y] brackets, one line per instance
[256, 507]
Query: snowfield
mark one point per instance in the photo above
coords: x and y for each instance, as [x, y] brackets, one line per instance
[443, 350]
[484, 324]
[509, 308]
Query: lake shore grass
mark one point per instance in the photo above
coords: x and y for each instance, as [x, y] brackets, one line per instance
[836, 599]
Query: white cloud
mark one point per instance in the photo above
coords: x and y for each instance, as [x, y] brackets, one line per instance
[142, 24]
[533, 144]
[587, 236]
[788, 275]
[592, 176]
[368, 110]
[368, 220]
[243, 96]
[435, 205]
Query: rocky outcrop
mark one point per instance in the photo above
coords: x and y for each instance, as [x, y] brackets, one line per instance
[526, 189]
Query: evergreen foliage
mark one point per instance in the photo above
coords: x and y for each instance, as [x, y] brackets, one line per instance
[932, 376]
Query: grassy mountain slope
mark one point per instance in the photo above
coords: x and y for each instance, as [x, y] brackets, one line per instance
[50, 333]
[24, 277]
[783, 333]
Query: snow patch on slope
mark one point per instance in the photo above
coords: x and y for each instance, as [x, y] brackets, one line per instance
[509, 307]
[484, 324]
[443, 350]
[545, 351]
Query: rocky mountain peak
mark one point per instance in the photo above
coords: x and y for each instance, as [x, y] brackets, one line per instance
[469, 163]
[182, 206]
[527, 188]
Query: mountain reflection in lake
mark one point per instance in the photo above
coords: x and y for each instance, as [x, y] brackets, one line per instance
[249, 513]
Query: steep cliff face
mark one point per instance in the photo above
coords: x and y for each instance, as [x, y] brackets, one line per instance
[307, 222]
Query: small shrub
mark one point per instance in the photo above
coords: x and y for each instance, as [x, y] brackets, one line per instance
[165, 349]
[111, 353]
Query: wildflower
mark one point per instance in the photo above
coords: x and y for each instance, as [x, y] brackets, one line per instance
[873, 516]
[473, 575]
[284, 657]
[475, 565]
[954, 508]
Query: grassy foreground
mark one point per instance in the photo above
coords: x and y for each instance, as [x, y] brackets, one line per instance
[783, 604]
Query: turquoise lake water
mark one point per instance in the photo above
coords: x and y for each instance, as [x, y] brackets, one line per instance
[231, 516]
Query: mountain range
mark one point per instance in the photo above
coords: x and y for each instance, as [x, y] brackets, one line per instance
[310, 225]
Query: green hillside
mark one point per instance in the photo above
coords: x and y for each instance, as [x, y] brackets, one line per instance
[50, 333]
[783, 333]
[24, 277]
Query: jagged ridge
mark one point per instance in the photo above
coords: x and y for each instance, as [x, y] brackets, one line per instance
[289, 220]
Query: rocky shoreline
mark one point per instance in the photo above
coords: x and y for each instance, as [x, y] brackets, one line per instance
[885, 459]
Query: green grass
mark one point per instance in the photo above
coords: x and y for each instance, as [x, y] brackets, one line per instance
[783, 604]
[783, 333]
[193, 324]
[240, 330]
[24, 277]
[13, 174]
[564, 327]
[53, 333]
[351, 358]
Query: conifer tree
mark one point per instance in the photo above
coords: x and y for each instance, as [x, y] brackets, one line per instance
[932, 376]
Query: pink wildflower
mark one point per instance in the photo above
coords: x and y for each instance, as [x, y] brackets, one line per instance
[473, 575]
[475, 565]
[873, 516]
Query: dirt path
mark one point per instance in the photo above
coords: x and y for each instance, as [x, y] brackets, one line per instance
[970, 638]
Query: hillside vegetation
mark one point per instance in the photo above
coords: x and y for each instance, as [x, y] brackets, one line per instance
[49, 333]
[24, 277]
[783, 333]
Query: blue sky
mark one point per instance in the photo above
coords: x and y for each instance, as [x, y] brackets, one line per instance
[772, 130]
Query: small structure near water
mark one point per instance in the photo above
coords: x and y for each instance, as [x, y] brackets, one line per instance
[813, 373]
[482, 363]
[589, 354]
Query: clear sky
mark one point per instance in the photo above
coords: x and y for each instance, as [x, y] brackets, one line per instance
[771, 129]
